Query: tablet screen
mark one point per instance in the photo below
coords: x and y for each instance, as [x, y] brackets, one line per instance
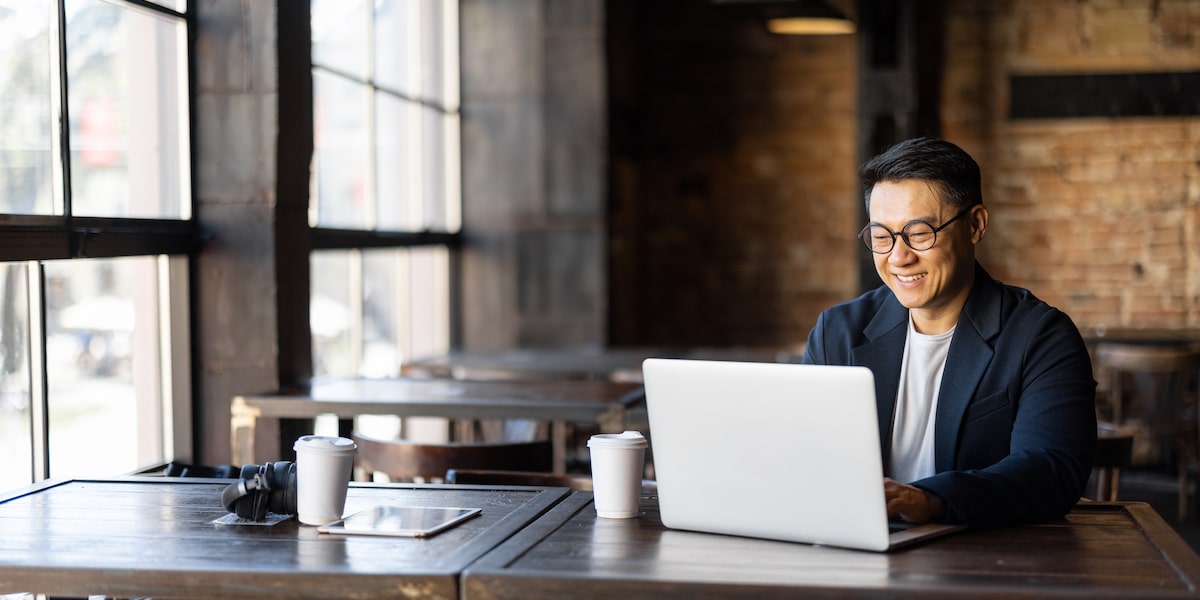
[402, 521]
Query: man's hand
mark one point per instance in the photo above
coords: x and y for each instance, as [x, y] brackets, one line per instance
[912, 504]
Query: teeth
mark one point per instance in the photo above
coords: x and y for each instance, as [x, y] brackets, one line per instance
[909, 278]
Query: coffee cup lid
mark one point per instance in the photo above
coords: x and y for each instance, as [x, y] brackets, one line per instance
[627, 439]
[325, 444]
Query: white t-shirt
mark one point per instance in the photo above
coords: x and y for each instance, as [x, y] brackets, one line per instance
[916, 405]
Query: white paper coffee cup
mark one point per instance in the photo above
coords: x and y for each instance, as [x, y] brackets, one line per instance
[617, 462]
[323, 468]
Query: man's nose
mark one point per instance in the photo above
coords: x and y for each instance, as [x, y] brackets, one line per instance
[901, 254]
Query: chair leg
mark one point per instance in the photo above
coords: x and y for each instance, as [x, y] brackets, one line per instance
[1183, 490]
[1114, 484]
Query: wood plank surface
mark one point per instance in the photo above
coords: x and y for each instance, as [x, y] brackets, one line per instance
[563, 400]
[1099, 550]
[136, 537]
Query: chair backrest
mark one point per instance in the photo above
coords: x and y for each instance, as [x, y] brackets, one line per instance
[1155, 384]
[402, 460]
[499, 477]
[505, 477]
[1114, 451]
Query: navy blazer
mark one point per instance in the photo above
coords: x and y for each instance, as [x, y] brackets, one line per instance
[1015, 429]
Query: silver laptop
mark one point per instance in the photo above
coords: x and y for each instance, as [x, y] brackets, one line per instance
[779, 451]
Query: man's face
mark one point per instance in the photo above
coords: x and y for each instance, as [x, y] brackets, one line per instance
[933, 283]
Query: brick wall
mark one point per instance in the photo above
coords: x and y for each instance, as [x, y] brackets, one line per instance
[734, 202]
[1098, 216]
[733, 187]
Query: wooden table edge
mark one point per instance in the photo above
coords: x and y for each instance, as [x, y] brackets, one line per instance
[1182, 559]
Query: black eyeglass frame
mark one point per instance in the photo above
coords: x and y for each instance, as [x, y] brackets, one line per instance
[862, 235]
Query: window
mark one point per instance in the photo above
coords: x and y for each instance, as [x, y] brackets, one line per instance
[95, 237]
[385, 188]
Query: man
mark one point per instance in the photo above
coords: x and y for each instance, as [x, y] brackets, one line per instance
[985, 393]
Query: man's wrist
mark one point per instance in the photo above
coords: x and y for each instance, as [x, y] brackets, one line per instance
[937, 506]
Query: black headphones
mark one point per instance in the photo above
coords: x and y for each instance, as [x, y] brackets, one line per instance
[262, 489]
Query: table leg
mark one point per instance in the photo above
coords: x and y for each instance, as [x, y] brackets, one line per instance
[558, 440]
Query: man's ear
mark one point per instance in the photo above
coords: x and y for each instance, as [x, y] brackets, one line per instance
[979, 223]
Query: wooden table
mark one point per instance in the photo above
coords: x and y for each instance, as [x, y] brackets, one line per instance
[533, 363]
[605, 364]
[1115, 550]
[559, 402]
[149, 536]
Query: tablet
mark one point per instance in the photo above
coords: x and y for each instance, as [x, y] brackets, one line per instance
[401, 521]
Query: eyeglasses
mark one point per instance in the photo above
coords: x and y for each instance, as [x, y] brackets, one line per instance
[919, 235]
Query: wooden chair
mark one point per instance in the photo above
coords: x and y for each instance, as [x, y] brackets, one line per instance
[501, 477]
[1152, 388]
[402, 460]
[504, 477]
[1114, 450]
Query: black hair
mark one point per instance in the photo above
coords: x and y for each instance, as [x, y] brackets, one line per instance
[949, 168]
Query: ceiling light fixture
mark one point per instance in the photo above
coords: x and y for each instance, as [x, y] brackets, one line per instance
[798, 17]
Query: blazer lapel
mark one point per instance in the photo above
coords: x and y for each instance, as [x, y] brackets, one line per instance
[970, 354]
[883, 352]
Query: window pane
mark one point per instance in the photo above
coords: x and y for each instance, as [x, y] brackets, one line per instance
[383, 278]
[417, 165]
[433, 179]
[435, 43]
[416, 50]
[27, 99]
[408, 124]
[448, 42]
[176, 5]
[451, 218]
[399, 161]
[126, 79]
[340, 193]
[401, 309]
[428, 289]
[102, 361]
[331, 311]
[16, 441]
[398, 57]
[339, 35]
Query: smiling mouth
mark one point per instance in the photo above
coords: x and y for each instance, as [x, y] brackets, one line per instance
[911, 278]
